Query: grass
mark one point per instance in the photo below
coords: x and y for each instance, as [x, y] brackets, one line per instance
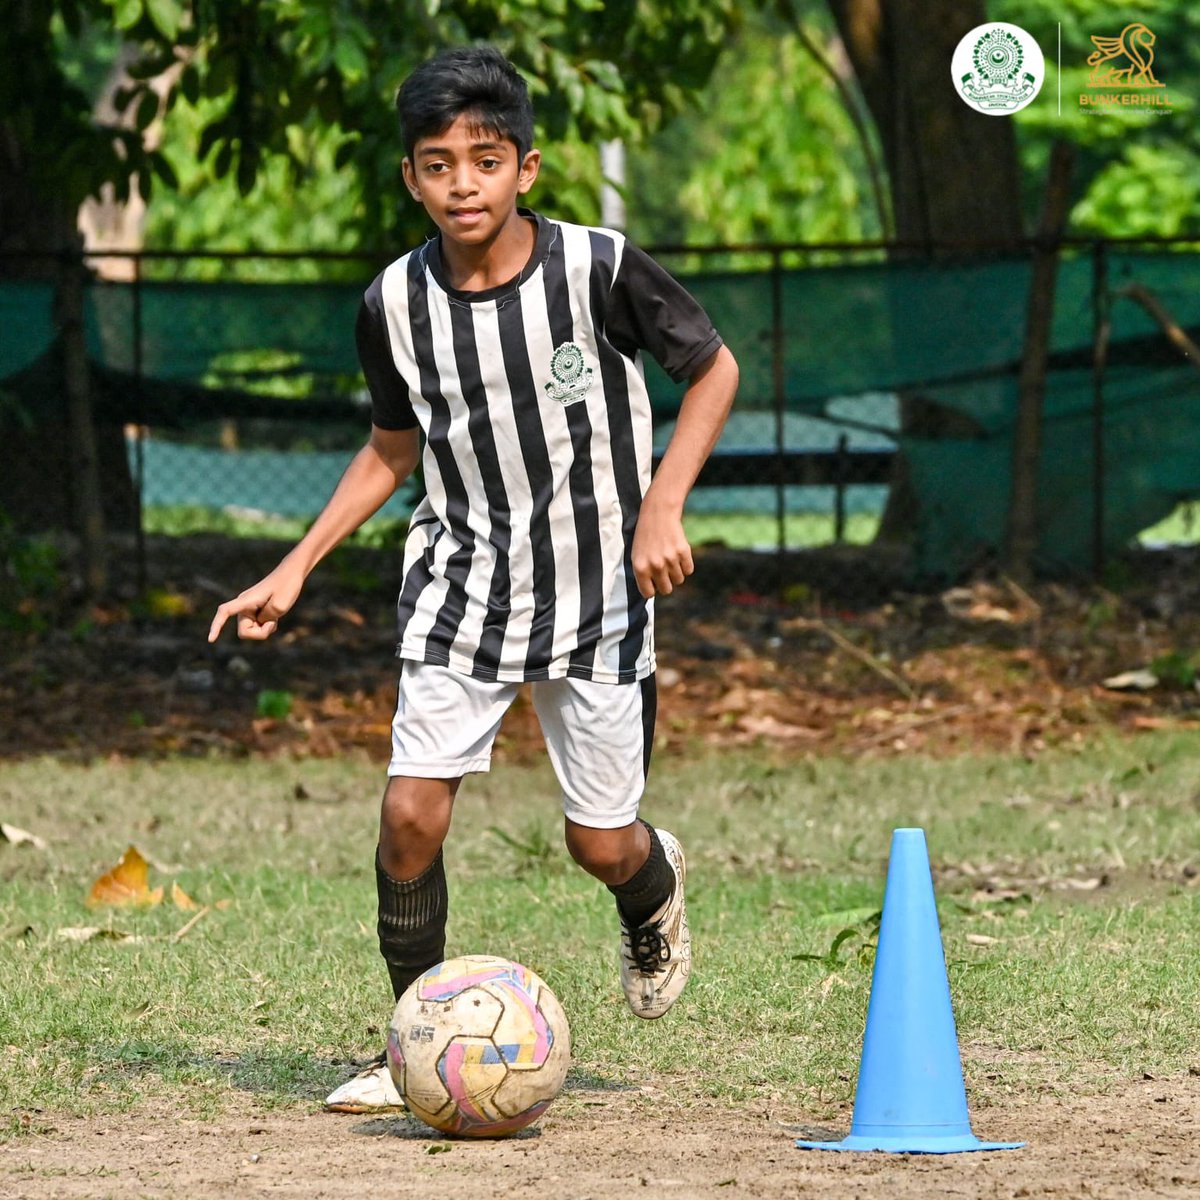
[1056, 986]
[1180, 528]
[737, 530]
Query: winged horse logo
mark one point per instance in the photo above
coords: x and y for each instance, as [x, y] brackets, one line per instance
[1134, 46]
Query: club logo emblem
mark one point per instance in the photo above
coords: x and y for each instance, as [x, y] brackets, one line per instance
[572, 377]
[998, 69]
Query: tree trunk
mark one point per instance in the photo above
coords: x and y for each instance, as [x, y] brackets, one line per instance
[953, 172]
[81, 430]
[58, 468]
[1031, 386]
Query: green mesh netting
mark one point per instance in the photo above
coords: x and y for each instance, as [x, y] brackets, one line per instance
[861, 345]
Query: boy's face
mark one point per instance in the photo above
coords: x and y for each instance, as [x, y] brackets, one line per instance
[468, 180]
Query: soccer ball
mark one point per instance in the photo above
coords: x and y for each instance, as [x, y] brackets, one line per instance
[478, 1046]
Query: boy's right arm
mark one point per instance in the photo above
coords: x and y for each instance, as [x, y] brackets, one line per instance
[373, 475]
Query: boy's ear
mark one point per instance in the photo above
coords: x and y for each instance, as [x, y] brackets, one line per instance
[529, 171]
[410, 179]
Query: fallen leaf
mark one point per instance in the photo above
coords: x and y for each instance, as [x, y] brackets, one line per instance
[18, 837]
[1141, 680]
[768, 726]
[127, 883]
[181, 899]
[88, 933]
[1080, 885]
[981, 939]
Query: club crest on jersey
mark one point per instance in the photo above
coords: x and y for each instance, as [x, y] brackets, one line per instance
[571, 377]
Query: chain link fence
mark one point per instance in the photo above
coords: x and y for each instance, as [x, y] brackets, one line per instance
[870, 449]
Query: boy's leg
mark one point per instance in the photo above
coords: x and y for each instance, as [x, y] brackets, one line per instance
[443, 729]
[599, 738]
[410, 877]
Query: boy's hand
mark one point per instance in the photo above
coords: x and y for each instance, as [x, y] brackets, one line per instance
[662, 557]
[259, 608]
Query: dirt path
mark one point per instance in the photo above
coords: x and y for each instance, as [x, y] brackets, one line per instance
[1141, 1141]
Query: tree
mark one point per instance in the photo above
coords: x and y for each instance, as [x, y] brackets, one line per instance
[267, 74]
[936, 148]
[771, 152]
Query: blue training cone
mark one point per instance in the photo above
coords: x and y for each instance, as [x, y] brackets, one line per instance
[910, 1097]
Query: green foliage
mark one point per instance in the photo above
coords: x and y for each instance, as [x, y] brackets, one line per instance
[533, 851]
[30, 580]
[1176, 669]
[1150, 190]
[858, 942]
[310, 85]
[1137, 171]
[274, 704]
[769, 153]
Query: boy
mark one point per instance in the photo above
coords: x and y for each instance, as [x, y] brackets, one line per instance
[512, 344]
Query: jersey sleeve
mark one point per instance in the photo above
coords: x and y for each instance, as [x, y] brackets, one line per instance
[648, 309]
[390, 405]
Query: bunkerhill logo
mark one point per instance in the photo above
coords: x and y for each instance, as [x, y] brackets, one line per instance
[1123, 71]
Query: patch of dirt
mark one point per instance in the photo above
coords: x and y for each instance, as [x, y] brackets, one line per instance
[988, 665]
[1143, 1140]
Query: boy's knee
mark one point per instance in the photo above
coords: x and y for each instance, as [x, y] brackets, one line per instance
[611, 855]
[413, 822]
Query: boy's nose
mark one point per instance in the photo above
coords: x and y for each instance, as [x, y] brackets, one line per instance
[463, 183]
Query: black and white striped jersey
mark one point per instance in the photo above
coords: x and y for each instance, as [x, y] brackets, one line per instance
[537, 445]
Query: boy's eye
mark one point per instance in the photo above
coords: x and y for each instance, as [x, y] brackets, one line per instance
[489, 164]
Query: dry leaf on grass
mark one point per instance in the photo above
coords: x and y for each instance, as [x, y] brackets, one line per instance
[769, 726]
[18, 837]
[127, 883]
[89, 933]
[181, 899]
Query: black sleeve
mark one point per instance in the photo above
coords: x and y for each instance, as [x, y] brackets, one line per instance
[390, 405]
[649, 310]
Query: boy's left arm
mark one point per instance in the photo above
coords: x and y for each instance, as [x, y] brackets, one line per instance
[662, 557]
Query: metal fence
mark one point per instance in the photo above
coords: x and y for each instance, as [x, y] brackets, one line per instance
[870, 448]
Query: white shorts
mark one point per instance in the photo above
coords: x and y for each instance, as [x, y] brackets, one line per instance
[598, 735]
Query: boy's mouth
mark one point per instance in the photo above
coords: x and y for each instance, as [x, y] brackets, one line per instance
[466, 215]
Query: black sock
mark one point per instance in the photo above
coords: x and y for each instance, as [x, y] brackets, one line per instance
[412, 922]
[650, 887]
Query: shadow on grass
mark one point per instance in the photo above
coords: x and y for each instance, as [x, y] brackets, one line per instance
[290, 1075]
[410, 1129]
[274, 1075]
[579, 1079]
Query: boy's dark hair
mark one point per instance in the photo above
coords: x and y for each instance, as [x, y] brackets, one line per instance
[476, 81]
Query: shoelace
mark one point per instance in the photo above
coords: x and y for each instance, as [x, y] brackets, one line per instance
[649, 949]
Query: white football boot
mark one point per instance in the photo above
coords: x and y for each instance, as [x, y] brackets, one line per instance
[656, 957]
[370, 1091]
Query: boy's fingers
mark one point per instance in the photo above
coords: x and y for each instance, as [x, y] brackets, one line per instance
[251, 628]
[218, 623]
